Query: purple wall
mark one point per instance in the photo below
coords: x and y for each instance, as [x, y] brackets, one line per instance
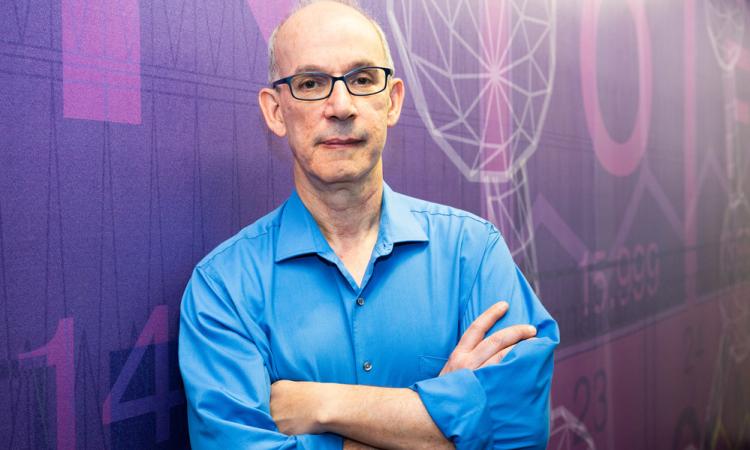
[608, 140]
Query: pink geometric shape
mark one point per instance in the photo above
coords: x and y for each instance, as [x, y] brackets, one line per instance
[618, 158]
[496, 124]
[101, 42]
[742, 112]
[268, 14]
[743, 63]
[59, 353]
[689, 148]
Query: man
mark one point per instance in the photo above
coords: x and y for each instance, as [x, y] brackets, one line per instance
[352, 315]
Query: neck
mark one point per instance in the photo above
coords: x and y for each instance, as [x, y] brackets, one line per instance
[346, 212]
[348, 215]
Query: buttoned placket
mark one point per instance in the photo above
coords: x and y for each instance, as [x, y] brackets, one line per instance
[364, 359]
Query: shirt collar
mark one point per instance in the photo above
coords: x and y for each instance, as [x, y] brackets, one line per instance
[397, 222]
[299, 234]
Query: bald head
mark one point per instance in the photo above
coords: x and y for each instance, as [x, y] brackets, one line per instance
[312, 18]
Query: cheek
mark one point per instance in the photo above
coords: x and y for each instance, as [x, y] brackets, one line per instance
[298, 129]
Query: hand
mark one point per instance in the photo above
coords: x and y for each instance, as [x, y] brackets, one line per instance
[294, 406]
[474, 350]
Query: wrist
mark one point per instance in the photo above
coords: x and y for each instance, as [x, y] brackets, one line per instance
[327, 409]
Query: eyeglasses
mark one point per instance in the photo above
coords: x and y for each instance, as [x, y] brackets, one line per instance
[311, 86]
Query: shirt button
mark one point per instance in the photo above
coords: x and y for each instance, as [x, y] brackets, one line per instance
[361, 301]
[367, 366]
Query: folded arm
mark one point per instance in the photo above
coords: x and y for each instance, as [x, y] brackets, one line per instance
[226, 380]
[494, 389]
[388, 417]
[379, 417]
[505, 404]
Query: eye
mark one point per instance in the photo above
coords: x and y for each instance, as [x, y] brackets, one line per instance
[309, 83]
[362, 80]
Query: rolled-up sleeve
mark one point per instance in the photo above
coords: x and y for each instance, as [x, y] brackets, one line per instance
[226, 378]
[504, 405]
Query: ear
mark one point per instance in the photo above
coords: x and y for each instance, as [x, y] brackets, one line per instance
[270, 106]
[397, 101]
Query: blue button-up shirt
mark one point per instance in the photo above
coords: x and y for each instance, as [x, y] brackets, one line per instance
[274, 302]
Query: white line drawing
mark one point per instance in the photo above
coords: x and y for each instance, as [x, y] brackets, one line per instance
[567, 432]
[735, 266]
[726, 28]
[481, 76]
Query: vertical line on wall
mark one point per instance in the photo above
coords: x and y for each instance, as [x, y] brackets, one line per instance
[258, 44]
[21, 23]
[647, 383]
[54, 155]
[236, 213]
[100, 299]
[426, 168]
[215, 57]
[152, 139]
[81, 365]
[402, 166]
[174, 47]
[234, 46]
[444, 164]
[48, 207]
[6, 320]
[235, 171]
[116, 280]
[271, 198]
[155, 210]
[159, 220]
[29, 414]
[86, 353]
[195, 39]
[152, 52]
[197, 183]
[107, 202]
[691, 257]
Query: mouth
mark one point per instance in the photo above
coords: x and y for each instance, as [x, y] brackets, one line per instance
[342, 142]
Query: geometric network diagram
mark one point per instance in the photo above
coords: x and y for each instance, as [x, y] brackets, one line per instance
[481, 78]
[483, 97]
[725, 20]
[726, 27]
[566, 431]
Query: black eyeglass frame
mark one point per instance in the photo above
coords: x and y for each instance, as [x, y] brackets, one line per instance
[288, 81]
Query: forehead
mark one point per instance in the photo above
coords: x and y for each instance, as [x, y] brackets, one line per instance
[329, 37]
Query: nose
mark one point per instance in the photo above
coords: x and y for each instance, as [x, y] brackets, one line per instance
[340, 105]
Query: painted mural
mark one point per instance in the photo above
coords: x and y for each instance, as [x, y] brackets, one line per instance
[608, 140]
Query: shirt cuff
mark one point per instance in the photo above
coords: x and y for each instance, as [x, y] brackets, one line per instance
[325, 441]
[457, 404]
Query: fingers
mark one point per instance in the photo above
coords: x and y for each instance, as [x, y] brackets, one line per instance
[478, 329]
[501, 340]
[497, 357]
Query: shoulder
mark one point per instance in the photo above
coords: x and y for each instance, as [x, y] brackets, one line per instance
[253, 242]
[442, 221]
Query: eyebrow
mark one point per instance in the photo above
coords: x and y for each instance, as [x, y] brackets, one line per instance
[350, 67]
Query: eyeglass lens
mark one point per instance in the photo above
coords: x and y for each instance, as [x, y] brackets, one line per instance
[365, 81]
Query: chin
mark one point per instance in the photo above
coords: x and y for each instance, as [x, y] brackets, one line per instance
[343, 175]
[341, 178]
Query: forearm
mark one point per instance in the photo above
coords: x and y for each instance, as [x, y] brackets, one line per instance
[354, 445]
[381, 417]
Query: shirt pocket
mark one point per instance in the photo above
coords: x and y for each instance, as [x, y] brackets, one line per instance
[430, 366]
